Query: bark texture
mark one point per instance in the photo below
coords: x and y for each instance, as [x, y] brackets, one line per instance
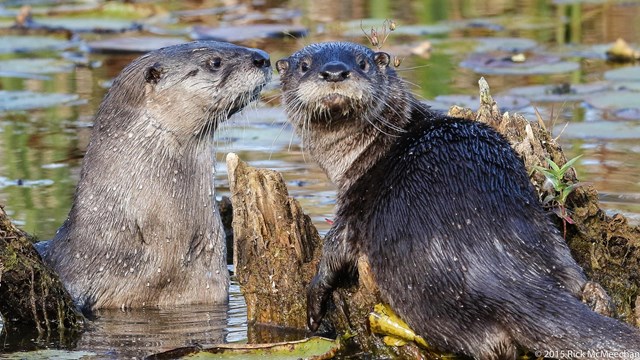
[276, 249]
[33, 301]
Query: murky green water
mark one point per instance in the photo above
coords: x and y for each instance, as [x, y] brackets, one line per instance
[41, 148]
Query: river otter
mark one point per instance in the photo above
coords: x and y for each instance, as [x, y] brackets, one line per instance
[456, 238]
[143, 229]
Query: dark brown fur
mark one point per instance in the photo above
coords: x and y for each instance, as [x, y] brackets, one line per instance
[445, 213]
[143, 229]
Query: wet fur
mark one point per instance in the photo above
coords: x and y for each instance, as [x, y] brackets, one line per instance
[445, 212]
[144, 229]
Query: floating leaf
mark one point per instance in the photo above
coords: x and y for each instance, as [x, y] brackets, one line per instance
[49, 354]
[355, 28]
[631, 73]
[21, 44]
[133, 44]
[20, 67]
[24, 100]
[608, 130]
[315, 347]
[506, 102]
[506, 44]
[558, 92]
[500, 63]
[87, 24]
[614, 100]
[247, 32]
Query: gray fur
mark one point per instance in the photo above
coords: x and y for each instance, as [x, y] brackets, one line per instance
[143, 229]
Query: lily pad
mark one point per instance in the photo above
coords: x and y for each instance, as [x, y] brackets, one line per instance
[506, 44]
[22, 44]
[606, 130]
[25, 100]
[628, 114]
[615, 100]
[631, 73]
[315, 347]
[49, 354]
[501, 63]
[26, 67]
[133, 44]
[558, 92]
[247, 32]
[628, 85]
[101, 25]
[506, 102]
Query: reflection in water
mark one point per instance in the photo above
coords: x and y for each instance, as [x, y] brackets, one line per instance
[138, 333]
[42, 148]
[116, 334]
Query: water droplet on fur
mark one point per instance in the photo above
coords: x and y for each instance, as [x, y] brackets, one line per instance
[175, 172]
[208, 285]
[148, 284]
[123, 228]
[101, 268]
[158, 269]
[77, 255]
[168, 280]
[468, 221]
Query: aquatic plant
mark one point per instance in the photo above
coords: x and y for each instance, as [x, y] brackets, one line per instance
[557, 200]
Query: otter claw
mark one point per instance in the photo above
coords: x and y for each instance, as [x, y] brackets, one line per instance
[317, 299]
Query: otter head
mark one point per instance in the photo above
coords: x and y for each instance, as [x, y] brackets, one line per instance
[329, 82]
[189, 89]
[345, 102]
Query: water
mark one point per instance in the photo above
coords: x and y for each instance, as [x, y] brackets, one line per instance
[41, 150]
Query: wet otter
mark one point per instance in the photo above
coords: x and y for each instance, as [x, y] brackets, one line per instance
[444, 211]
[143, 229]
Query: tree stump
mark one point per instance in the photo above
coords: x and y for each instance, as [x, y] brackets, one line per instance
[33, 301]
[276, 249]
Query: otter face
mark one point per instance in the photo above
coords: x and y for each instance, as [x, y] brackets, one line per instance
[197, 85]
[333, 81]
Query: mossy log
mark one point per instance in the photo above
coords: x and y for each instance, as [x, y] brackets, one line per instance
[608, 248]
[33, 301]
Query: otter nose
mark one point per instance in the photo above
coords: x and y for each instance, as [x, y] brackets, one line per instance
[335, 71]
[260, 58]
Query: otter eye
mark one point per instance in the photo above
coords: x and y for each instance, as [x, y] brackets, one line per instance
[304, 66]
[363, 64]
[215, 63]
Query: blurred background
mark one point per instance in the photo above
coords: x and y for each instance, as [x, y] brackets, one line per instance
[58, 57]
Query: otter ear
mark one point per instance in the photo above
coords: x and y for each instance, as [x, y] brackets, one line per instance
[282, 65]
[153, 73]
[382, 59]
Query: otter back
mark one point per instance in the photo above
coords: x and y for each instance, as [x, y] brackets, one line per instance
[443, 210]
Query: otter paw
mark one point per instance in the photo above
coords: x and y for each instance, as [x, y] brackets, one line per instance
[317, 300]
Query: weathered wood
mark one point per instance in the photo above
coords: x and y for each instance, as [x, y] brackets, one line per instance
[276, 248]
[33, 301]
